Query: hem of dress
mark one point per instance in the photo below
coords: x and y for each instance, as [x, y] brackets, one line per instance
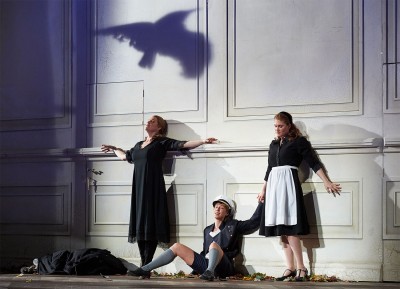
[163, 245]
[282, 230]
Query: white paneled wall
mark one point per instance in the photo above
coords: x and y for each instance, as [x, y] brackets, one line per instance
[294, 59]
[210, 68]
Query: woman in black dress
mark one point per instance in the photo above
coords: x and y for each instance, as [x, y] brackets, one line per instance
[149, 221]
[284, 212]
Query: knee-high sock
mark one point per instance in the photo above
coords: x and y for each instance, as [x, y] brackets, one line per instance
[165, 258]
[213, 255]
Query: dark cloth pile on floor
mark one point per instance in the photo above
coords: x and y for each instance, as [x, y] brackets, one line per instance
[90, 261]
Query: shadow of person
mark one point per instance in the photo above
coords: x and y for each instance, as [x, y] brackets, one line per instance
[168, 37]
[240, 259]
[316, 239]
[168, 165]
[311, 203]
[240, 262]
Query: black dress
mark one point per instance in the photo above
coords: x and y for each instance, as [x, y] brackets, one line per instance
[290, 153]
[149, 220]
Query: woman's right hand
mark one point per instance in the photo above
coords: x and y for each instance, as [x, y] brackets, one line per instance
[107, 148]
[261, 196]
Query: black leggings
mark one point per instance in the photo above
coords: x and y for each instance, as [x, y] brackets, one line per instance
[147, 250]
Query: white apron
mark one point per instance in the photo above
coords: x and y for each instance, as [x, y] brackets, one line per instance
[280, 197]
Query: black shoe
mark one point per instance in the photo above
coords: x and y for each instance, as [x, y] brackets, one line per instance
[139, 272]
[207, 275]
[302, 275]
[29, 270]
[286, 274]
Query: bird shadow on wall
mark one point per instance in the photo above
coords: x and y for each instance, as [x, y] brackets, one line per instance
[167, 37]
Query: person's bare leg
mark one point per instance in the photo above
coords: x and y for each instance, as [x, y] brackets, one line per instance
[290, 269]
[169, 255]
[165, 258]
[184, 252]
[295, 244]
[287, 250]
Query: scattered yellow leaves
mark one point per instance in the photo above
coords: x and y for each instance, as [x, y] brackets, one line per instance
[253, 277]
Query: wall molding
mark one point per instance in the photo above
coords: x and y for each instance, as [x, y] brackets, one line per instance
[391, 145]
[367, 146]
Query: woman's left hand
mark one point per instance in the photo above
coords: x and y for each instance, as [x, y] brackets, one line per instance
[210, 140]
[333, 188]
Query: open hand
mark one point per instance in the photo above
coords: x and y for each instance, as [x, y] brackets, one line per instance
[261, 197]
[211, 140]
[333, 188]
[107, 148]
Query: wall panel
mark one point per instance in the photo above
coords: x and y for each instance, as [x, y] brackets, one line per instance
[392, 61]
[163, 49]
[339, 217]
[116, 103]
[213, 68]
[391, 228]
[293, 59]
[109, 196]
[186, 209]
[39, 210]
[35, 91]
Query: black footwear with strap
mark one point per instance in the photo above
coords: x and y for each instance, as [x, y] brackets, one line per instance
[302, 275]
[286, 274]
[139, 272]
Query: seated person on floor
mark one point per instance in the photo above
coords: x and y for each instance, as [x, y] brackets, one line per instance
[221, 244]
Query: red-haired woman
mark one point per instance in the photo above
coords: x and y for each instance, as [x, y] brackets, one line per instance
[284, 212]
[149, 221]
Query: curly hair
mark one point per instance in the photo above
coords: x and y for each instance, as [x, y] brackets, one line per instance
[287, 118]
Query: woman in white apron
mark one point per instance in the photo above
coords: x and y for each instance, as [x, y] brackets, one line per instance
[284, 212]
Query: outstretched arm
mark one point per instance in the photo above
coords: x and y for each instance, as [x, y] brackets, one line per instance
[118, 151]
[195, 143]
[329, 186]
[252, 224]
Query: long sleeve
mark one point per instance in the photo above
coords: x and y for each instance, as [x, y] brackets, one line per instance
[305, 149]
[251, 225]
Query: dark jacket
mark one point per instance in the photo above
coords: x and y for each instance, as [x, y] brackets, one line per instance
[90, 261]
[231, 231]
